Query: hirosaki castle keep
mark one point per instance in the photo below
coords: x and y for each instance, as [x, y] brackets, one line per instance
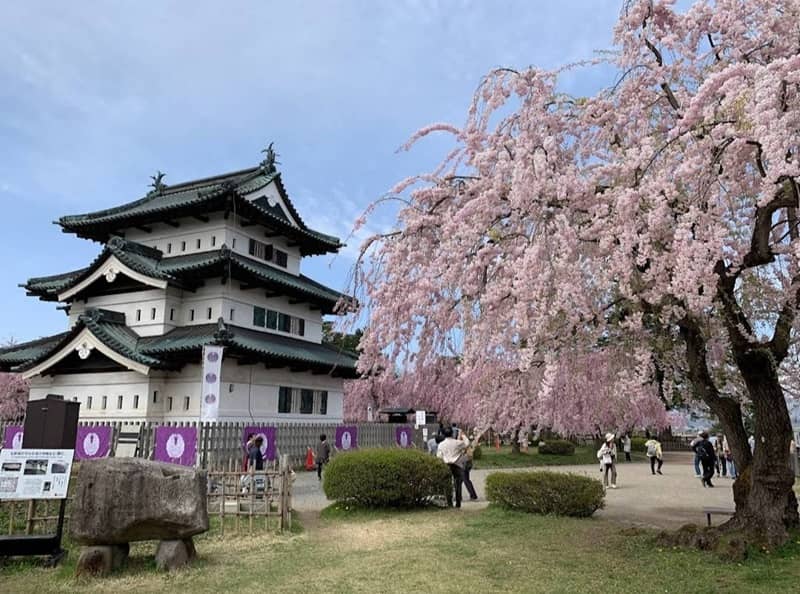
[214, 261]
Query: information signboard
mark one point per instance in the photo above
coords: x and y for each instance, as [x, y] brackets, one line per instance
[35, 474]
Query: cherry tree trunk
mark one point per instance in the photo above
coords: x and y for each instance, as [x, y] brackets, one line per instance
[771, 507]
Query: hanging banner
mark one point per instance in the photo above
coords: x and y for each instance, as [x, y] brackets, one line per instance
[93, 442]
[12, 439]
[267, 434]
[347, 438]
[177, 445]
[404, 436]
[212, 376]
[34, 474]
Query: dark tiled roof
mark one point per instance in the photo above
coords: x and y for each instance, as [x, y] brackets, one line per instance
[184, 270]
[202, 197]
[247, 341]
[171, 349]
[24, 352]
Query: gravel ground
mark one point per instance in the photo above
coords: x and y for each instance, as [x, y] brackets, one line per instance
[655, 501]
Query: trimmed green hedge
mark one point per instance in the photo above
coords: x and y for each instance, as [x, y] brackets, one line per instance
[546, 492]
[386, 478]
[637, 444]
[557, 447]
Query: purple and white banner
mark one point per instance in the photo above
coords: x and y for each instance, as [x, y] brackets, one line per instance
[212, 376]
[268, 448]
[12, 439]
[93, 442]
[177, 445]
[347, 438]
[404, 436]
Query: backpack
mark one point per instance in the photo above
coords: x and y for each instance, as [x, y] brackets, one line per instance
[651, 449]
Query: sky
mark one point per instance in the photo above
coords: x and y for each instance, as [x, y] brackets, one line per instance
[97, 96]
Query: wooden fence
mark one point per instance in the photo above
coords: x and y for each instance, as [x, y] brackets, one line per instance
[219, 445]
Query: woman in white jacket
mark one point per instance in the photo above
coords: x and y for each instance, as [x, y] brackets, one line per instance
[607, 454]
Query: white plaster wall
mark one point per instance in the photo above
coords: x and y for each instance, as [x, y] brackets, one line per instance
[170, 239]
[81, 386]
[246, 393]
[129, 303]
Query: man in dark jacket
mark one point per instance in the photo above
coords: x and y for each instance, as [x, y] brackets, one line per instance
[705, 451]
[322, 454]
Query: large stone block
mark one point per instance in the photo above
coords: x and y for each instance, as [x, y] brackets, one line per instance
[121, 500]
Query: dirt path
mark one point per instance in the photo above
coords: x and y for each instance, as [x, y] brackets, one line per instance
[665, 501]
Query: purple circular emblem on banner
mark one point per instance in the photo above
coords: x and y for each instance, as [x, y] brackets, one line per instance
[211, 378]
[213, 357]
[210, 399]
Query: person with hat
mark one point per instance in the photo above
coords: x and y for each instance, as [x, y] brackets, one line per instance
[607, 454]
[705, 451]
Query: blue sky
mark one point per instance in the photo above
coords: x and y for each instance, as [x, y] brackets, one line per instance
[95, 97]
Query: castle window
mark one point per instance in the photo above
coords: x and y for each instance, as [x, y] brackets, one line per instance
[169, 248]
[233, 243]
[171, 314]
[272, 319]
[183, 246]
[89, 402]
[135, 401]
[259, 315]
[169, 402]
[281, 258]
[284, 399]
[138, 315]
[155, 396]
[323, 403]
[284, 323]
[153, 313]
[209, 313]
[199, 243]
[306, 402]
[213, 240]
[119, 402]
[104, 402]
[186, 402]
[231, 315]
[191, 315]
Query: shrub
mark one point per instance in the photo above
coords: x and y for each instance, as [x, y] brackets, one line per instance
[557, 447]
[386, 478]
[637, 444]
[546, 492]
[477, 453]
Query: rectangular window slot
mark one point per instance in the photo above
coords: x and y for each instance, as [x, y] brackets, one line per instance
[89, 402]
[169, 402]
[186, 402]
[306, 402]
[208, 313]
[104, 402]
[153, 313]
[155, 396]
[135, 401]
[323, 403]
[284, 400]
[119, 402]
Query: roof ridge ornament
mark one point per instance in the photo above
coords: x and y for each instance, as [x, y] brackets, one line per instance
[158, 185]
[270, 162]
[222, 334]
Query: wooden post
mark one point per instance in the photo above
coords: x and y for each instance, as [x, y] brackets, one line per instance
[30, 516]
[285, 498]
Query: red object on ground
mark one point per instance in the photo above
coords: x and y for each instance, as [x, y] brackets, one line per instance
[497, 442]
[310, 459]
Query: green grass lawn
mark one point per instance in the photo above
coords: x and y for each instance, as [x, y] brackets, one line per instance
[433, 551]
[504, 458]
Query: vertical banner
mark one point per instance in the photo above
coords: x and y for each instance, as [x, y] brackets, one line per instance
[177, 445]
[212, 375]
[12, 439]
[404, 436]
[93, 442]
[268, 449]
[347, 438]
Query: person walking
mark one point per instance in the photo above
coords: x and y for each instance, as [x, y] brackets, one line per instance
[705, 451]
[726, 450]
[452, 452]
[607, 454]
[322, 454]
[626, 447]
[654, 453]
[719, 453]
[697, 471]
[468, 453]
